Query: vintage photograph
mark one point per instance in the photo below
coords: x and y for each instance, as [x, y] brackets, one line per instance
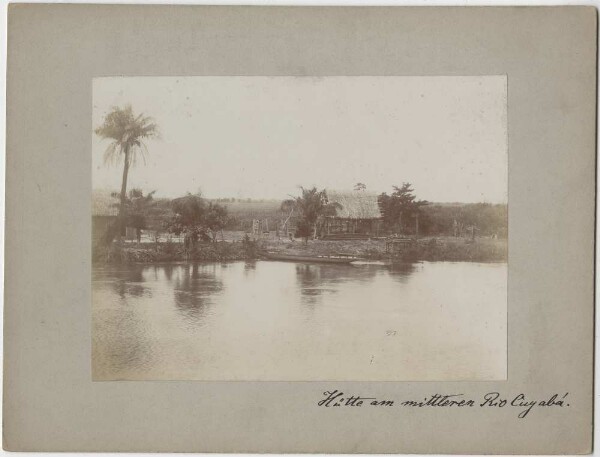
[299, 228]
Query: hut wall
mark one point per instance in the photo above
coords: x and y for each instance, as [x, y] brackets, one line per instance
[335, 225]
[100, 225]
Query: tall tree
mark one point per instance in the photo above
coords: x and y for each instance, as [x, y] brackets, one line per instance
[127, 133]
[400, 205]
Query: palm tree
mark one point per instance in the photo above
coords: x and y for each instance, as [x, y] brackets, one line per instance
[127, 133]
[313, 205]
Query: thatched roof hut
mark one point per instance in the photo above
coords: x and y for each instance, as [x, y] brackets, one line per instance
[358, 218]
[105, 210]
[355, 204]
[103, 203]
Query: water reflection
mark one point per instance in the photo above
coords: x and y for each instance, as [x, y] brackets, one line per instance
[167, 269]
[124, 341]
[309, 283]
[401, 272]
[316, 280]
[129, 281]
[195, 288]
[132, 347]
[292, 321]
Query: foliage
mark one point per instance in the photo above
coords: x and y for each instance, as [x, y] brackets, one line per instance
[168, 252]
[215, 219]
[188, 211]
[241, 213]
[288, 206]
[399, 207]
[249, 246]
[303, 230]
[196, 219]
[434, 218]
[313, 206]
[137, 207]
[127, 133]
[488, 219]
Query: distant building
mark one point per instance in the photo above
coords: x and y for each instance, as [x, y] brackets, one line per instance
[104, 212]
[358, 217]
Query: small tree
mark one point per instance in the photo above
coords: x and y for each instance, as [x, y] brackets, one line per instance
[187, 220]
[215, 219]
[196, 219]
[313, 206]
[139, 207]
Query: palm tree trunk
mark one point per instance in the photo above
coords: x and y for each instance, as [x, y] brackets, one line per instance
[123, 191]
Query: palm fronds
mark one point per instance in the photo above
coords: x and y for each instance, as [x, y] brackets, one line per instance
[127, 132]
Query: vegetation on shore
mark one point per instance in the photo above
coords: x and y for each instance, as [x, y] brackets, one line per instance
[431, 249]
[461, 232]
[126, 133]
[173, 252]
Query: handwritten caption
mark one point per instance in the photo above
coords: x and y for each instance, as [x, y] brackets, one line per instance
[520, 402]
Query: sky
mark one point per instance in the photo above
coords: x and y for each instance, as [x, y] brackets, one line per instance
[262, 137]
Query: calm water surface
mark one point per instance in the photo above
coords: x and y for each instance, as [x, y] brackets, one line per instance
[290, 321]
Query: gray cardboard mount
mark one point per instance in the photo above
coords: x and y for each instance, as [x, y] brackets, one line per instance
[54, 51]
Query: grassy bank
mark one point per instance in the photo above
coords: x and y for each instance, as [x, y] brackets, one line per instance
[430, 249]
[171, 252]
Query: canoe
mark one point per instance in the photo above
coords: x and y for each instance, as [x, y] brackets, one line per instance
[305, 258]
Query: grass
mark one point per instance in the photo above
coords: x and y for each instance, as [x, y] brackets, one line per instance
[171, 252]
[430, 249]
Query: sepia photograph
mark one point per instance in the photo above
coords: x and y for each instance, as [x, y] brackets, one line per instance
[299, 228]
[319, 229]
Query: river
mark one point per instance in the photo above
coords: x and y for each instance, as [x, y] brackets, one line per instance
[284, 321]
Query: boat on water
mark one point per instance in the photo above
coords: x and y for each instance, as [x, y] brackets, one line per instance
[372, 262]
[337, 258]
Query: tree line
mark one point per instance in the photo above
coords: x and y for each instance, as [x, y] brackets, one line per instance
[193, 217]
[199, 219]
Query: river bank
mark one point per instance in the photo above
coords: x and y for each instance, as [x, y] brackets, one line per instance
[173, 252]
[429, 249]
